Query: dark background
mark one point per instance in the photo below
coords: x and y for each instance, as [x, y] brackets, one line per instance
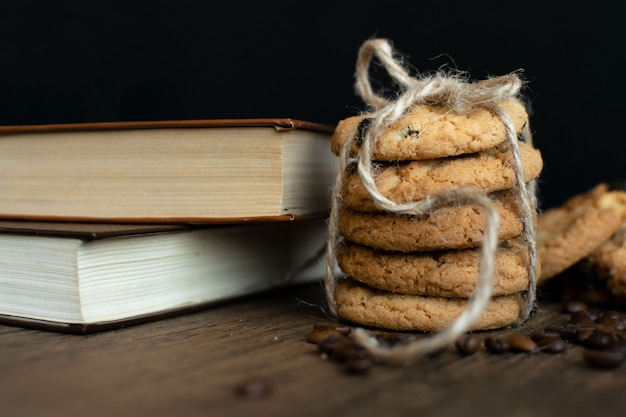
[63, 62]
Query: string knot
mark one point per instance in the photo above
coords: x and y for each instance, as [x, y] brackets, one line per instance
[451, 90]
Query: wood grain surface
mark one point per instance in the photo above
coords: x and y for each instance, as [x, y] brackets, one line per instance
[190, 365]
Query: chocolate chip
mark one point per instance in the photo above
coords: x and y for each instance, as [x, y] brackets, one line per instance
[362, 129]
[468, 344]
[412, 132]
[603, 359]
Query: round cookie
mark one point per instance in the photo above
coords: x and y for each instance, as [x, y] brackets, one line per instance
[487, 171]
[450, 227]
[451, 274]
[429, 132]
[568, 233]
[370, 307]
[609, 262]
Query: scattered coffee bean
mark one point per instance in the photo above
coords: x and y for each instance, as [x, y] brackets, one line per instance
[254, 387]
[521, 344]
[603, 359]
[610, 314]
[544, 335]
[599, 340]
[554, 346]
[583, 335]
[601, 334]
[610, 324]
[322, 331]
[618, 344]
[393, 339]
[468, 344]
[341, 348]
[358, 365]
[574, 307]
[569, 333]
[581, 318]
[496, 345]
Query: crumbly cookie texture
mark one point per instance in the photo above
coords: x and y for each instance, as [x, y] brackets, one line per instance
[487, 171]
[609, 261]
[449, 227]
[569, 233]
[370, 307]
[451, 274]
[429, 132]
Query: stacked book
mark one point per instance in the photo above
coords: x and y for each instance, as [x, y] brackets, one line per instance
[107, 224]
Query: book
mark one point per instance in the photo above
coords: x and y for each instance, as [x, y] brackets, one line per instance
[191, 171]
[81, 278]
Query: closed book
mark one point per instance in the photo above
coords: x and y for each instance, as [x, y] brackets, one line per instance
[81, 277]
[192, 171]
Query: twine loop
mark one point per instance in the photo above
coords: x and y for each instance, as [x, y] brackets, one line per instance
[455, 94]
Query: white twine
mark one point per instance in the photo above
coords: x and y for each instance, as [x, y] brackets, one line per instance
[459, 96]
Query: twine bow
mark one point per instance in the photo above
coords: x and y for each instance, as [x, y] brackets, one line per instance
[456, 95]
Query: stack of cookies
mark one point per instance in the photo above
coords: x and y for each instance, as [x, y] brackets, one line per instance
[405, 272]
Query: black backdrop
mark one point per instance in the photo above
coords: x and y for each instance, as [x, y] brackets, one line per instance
[83, 61]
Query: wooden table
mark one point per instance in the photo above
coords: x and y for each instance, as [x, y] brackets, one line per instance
[190, 366]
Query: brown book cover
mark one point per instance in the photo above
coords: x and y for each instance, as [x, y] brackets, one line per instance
[275, 123]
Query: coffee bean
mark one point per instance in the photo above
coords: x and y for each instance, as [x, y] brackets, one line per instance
[583, 335]
[554, 346]
[322, 331]
[254, 387]
[358, 365]
[610, 324]
[599, 340]
[393, 339]
[341, 348]
[496, 345]
[333, 343]
[581, 317]
[619, 344]
[568, 333]
[538, 336]
[610, 314]
[603, 359]
[546, 339]
[557, 328]
[468, 344]
[520, 343]
[574, 307]
[592, 326]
